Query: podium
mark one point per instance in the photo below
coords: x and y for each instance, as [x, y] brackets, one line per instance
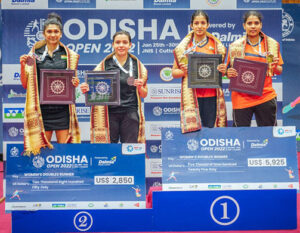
[221, 208]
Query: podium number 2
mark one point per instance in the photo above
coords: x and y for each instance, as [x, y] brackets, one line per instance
[83, 221]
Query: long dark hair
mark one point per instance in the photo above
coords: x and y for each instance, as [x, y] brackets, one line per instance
[252, 13]
[53, 18]
[199, 13]
[122, 32]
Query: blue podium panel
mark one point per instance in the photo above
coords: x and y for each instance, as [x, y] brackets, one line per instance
[174, 211]
[230, 158]
[225, 210]
[76, 176]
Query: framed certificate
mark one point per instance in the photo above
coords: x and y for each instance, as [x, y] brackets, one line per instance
[104, 87]
[202, 71]
[56, 87]
[251, 76]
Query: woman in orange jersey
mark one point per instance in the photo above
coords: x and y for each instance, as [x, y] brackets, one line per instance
[255, 46]
[199, 106]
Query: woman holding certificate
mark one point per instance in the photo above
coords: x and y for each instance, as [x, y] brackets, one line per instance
[199, 106]
[41, 120]
[125, 122]
[255, 46]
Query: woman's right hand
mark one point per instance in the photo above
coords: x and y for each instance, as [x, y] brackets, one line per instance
[183, 68]
[232, 73]
[84, 87]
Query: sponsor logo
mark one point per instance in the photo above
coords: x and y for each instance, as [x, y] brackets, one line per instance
[175, 188]
[169, 135]
[287, 24]
[298, 136]
[154, 148]
[130, 148]
[288, 131]
[258, 144]
[133, 149]
[72, 205]
[13, 94]
[14, 113]
[192, 144]
[211, 186]
[107, 161]
[213, 2]
[14, 152]
[38, 161]
[166, 3]
[83, 111]
[17, 76]
[157, 111]
[165, 91]
[166, 74]
[34, 32]
[21, 2]
[91, 205]
[58, 205]
[37, 205]
[226, 92]
[13, 132]
[162, 111]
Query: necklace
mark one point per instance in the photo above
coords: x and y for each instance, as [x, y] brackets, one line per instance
[195, 45]
[254, 45]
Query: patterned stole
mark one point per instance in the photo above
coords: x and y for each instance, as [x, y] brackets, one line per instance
[34, 132]
[99, 114]
[237, 49]
[189, 115]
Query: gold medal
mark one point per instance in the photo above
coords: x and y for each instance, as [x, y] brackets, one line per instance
[270, 58]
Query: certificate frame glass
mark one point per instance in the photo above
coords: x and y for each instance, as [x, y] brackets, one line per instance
[104, 87]
[56, 86]
[251, 76]
[203, 72]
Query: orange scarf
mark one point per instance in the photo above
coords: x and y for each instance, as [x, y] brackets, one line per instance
[189, 115]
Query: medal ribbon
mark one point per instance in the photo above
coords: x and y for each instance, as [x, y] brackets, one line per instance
[253, 45]
[194, 45]
[122, 68]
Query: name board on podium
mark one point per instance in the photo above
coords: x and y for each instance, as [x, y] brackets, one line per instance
[76, 176]
[230, 158]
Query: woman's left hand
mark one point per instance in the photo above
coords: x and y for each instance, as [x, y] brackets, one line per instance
[274, 64]
[75, 81]
[222, 68]
[138, 83]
